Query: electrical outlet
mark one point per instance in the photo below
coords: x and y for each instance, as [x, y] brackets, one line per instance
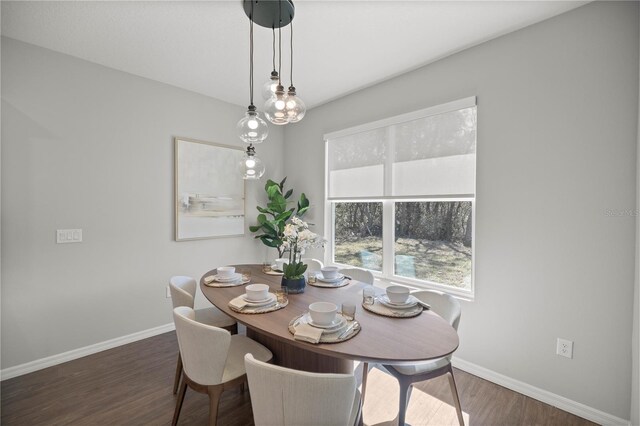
[564, 348]
[168, 293]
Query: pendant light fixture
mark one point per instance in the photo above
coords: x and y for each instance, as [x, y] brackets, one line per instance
[269, 88]
[251, 166]
[275, 107]
[282, 106]
[251, 128]
[294, 107]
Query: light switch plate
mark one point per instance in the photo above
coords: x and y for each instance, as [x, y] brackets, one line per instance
[64, 236]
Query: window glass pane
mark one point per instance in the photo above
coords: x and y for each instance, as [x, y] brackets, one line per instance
[433, 241]
[358, 234]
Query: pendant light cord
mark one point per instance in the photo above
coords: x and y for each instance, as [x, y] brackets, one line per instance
[273, 30]
[291, 31]
[251, 55]
[279, 42]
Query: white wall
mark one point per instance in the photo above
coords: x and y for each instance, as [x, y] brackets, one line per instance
[84, 146]
[557, 116]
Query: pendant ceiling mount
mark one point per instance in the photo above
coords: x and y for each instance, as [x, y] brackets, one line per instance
[270, 13]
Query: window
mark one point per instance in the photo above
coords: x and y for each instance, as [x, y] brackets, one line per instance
[401, 196]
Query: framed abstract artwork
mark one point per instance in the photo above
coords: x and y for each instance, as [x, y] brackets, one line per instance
[209, 190]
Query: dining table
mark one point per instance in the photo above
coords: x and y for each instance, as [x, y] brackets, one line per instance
[381, 339]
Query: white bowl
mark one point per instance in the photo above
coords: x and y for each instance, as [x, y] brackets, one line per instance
[329, 272]
[323, 313]
[397, 294]
[257, 291]
[226, 271]
[280, 263]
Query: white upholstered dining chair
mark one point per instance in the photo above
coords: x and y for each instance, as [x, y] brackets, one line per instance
[183, 293]
[358, 274]
[282, 396]
[313, 265]
[213, 359]
[449, 309]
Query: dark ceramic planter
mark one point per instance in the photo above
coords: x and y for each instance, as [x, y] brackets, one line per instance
[294, 286]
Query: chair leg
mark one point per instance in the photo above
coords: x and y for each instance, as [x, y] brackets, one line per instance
[176, 381]
[179, 401]
[456, 400]
[404, 401]
[214, 398]
[365, 374]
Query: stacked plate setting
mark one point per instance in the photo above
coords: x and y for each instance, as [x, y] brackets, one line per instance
[258, 296]
[411, 302]
[230, 279]
[329, 274]
[336, 325]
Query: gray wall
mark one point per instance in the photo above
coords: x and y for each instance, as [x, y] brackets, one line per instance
[84, 146]
[557, 115]
[635, 380]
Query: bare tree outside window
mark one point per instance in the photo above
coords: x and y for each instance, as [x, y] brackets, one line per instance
[358, 234]
[433, 241]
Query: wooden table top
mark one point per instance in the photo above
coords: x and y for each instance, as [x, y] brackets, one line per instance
[381, 339]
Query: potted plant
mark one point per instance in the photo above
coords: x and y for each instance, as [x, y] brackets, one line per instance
[273, 217]
[296, 239]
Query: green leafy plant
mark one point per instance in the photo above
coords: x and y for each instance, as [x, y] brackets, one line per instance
[273, 218]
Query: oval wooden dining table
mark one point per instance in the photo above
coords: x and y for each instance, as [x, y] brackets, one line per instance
[380, 340]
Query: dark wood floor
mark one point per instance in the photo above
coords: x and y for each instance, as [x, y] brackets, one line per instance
[131, 385]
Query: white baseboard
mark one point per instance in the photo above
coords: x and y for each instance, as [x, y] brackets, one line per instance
[50, 361]
[547, 397]
[573, 407]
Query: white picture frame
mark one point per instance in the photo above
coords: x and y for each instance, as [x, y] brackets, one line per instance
[209, 192]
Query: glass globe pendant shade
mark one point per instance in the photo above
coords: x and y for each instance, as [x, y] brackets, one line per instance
[251, 166]
[269, 88]
[294, 108]
[251, 128]
[275, 107]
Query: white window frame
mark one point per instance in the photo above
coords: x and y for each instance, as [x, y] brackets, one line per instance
[386, 276]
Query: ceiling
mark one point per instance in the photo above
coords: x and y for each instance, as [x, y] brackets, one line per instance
[203, 46]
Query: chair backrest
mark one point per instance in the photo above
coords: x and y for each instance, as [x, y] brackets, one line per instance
[183, 291]
[442, 304]
[203, 348]
[281, 396]
[313, 265]
[358, 274]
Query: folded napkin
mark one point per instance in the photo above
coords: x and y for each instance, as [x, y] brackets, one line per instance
[238, 302]
[208, 279]
[307, 333]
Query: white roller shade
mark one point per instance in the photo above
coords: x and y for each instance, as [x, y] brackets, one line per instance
[426, 153]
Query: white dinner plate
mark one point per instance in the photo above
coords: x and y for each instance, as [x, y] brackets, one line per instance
[337, 323]
[234, 277]
[275, 268]
[410, 303]
[256, 303]
[320, 277]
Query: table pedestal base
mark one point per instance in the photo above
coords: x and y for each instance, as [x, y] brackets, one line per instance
[289, 356]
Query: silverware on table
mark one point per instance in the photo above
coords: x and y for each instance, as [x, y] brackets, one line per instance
[348, 330]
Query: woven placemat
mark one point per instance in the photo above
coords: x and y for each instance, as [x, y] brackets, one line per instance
[380, 309]
[319, 283]
[218, 284]
[328, 337]
[259, 309]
